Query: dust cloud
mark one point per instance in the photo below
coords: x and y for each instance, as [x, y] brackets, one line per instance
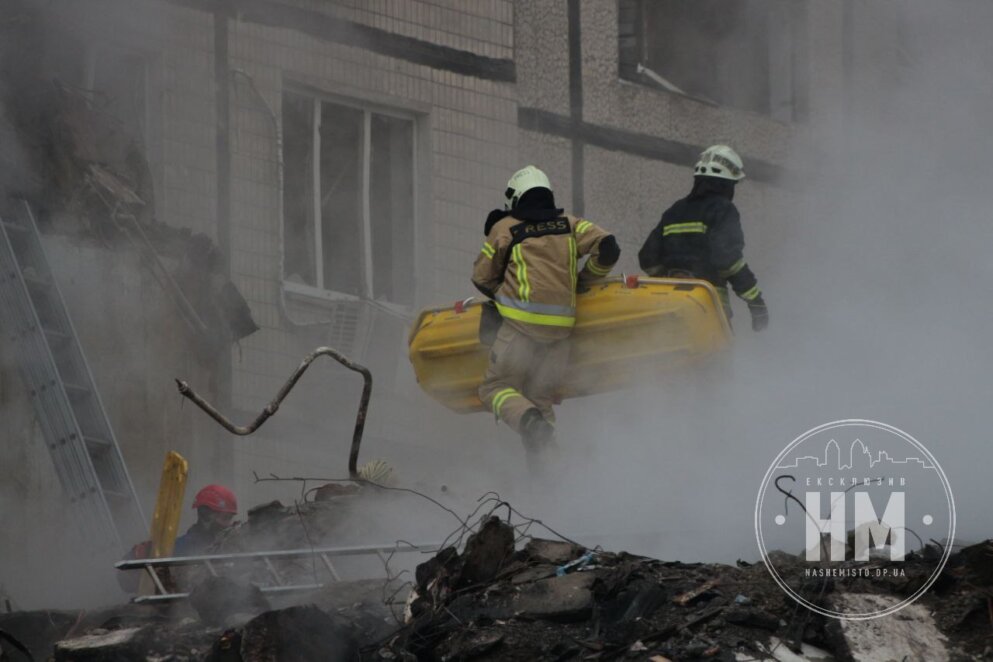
[879, 297]
[879, 306]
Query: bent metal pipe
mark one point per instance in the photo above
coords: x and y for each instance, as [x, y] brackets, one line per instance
[353, 457]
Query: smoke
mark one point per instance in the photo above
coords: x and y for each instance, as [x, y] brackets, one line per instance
[874, 259]
[49, 558]
[886, 277]
[874, 267]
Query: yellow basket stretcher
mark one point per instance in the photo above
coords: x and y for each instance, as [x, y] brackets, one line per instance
[628, 331]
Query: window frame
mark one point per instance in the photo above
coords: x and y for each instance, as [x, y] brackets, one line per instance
[798, 87]
[318, 291]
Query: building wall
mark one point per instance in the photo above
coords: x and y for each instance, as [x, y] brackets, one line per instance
[610, 101]
[177, 44]
[623, 190]
[467, 134]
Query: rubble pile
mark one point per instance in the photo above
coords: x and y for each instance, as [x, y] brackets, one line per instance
[558, 601]
[507, 596]
[222, 624]
[316, 522]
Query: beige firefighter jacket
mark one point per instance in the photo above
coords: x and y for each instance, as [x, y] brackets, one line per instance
[531, 270]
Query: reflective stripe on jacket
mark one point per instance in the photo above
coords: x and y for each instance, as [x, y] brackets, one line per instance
[531, 269]
[701, 235]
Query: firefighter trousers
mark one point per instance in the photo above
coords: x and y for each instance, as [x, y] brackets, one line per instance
[524, 372]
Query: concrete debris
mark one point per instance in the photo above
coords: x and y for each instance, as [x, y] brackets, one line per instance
[328, 625]
[977, 563]
[98, 645]
[298, 634]
[12, 650]
[567, 598]
[469, 645]
[221, 601]
[779, 651]
[36, 630]
[624, 606]
[487, 551]
[752, 617]
[329, 491]
[160, 639]
[556, 552]
[619, 605]
[496, 598]
[909, 634]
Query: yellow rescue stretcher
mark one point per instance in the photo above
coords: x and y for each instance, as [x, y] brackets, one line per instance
[627, 331]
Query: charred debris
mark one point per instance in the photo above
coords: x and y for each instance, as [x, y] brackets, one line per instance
[495, 592]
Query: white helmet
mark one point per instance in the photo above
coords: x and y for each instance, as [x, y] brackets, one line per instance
[524, 180]
[720, 161]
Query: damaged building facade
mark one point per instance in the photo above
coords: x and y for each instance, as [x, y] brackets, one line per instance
[224, 186]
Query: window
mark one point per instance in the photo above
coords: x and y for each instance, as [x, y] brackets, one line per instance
[738, 53]
[348, 199]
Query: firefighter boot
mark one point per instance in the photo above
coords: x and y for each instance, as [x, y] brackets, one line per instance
[536, 432]
[538, 436]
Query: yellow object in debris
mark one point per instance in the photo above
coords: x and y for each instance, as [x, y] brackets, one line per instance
[169, 504]
[626, 333]
[168, 509]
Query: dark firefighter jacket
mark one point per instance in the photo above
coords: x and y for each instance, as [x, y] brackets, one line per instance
[701, 234]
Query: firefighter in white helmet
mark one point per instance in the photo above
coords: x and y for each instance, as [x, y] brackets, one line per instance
[701, 236]
[530, 268]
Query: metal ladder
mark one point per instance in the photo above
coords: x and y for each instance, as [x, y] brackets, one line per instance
[77, 432]
[214, 563]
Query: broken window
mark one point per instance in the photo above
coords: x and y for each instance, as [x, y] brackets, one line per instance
[740, 54]
[348, 199]
[116, 82]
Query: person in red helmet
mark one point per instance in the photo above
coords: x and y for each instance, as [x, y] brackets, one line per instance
[216, 507]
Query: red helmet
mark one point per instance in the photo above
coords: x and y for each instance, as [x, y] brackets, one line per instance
[218, 498]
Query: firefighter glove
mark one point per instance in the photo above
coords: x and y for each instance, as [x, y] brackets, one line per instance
[759, 312]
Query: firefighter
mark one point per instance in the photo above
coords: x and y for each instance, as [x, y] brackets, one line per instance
[529, 268]
[700, 236]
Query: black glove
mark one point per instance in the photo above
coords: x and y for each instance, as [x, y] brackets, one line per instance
[490, 321]
[759, 312]
[492, 218]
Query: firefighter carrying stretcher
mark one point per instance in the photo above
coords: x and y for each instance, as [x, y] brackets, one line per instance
[700, 235]
[529, 268]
